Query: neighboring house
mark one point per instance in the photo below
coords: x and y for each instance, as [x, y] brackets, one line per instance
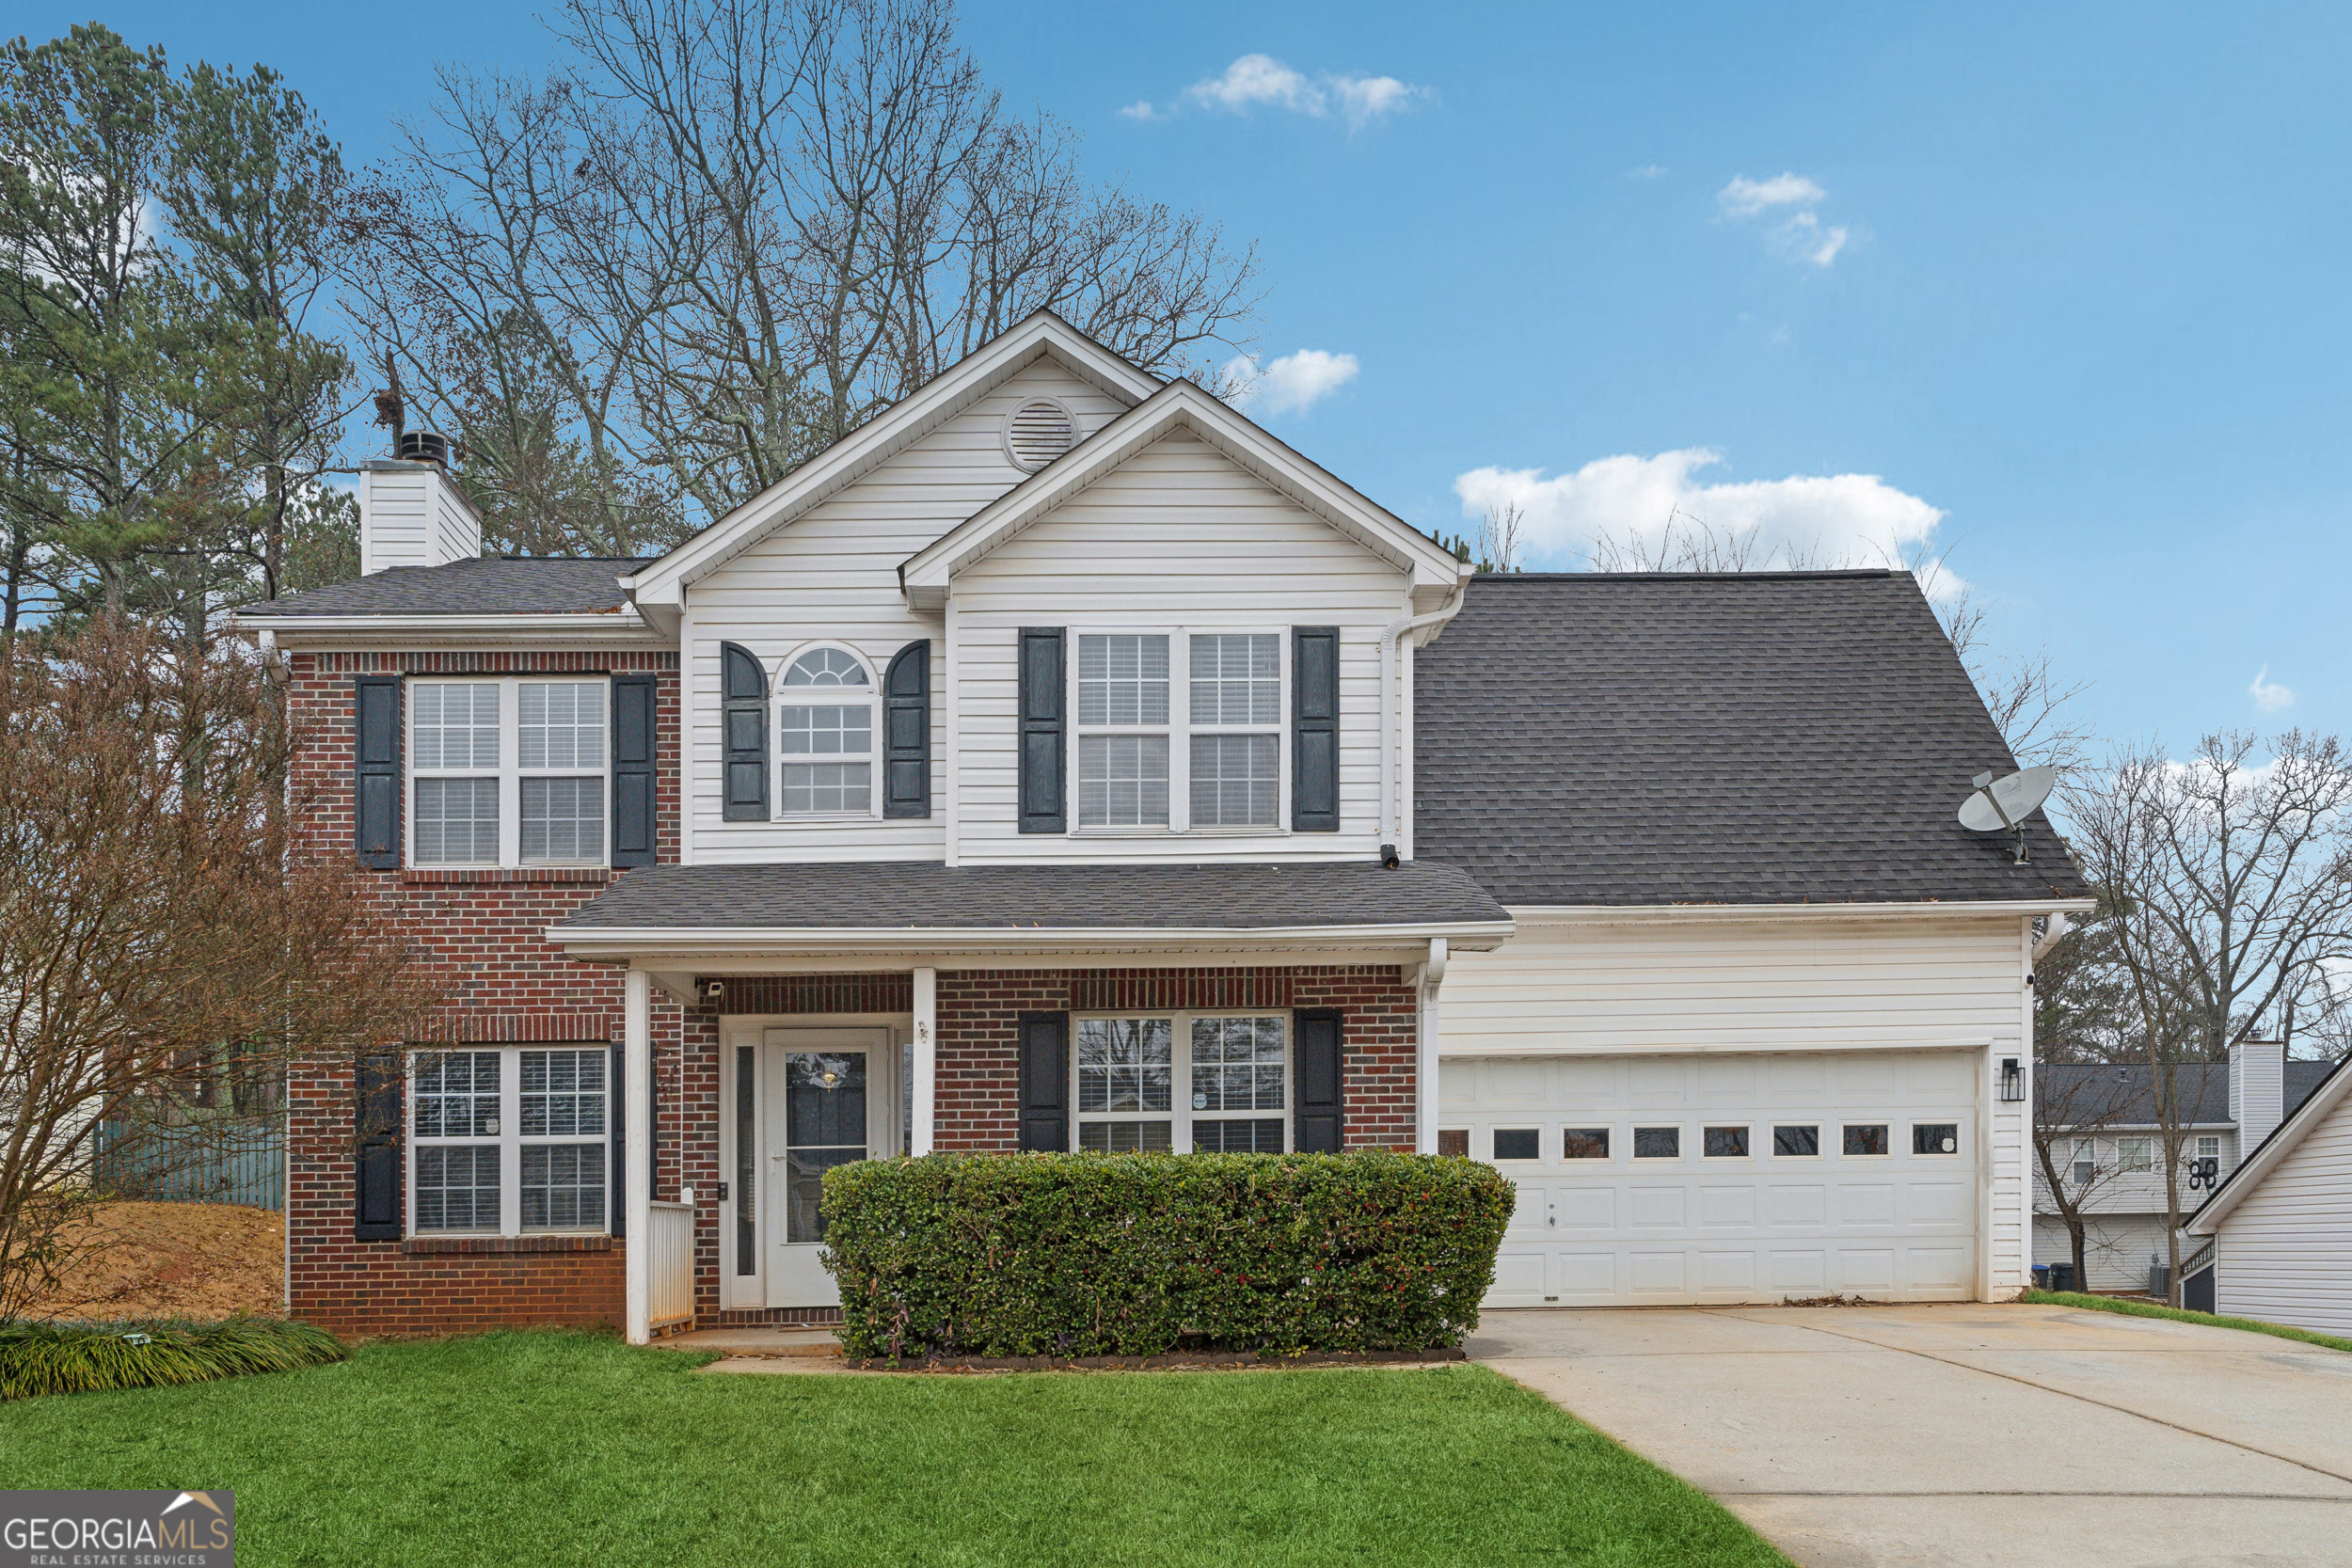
[2282, 1223]
[1062, 762]
[2117, 1158]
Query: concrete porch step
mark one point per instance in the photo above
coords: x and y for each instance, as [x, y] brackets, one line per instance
[756, 1341]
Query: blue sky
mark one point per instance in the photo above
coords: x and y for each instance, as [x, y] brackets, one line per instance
[2069, 283]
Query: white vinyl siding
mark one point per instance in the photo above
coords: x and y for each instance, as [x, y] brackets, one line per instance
[1179, 538]
[1765, 985]
[2284, 1254]
[832, 575]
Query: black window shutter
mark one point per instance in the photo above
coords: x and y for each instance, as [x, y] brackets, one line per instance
[375, 770]
[632, 770]
[1315, 729]
[1043, 762]
[617, 1215]
[1044, 1083]
[1319, 1107]
[906, 732]
[743, 714]
[376, 1207]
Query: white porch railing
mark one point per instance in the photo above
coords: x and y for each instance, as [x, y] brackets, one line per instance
[670, 1260]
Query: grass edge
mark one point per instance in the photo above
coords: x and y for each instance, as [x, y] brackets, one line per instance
[2178, 1314]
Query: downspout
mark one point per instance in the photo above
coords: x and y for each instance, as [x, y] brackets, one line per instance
[1391, 722]
[1432, 1030]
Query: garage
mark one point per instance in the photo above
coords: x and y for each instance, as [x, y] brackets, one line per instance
[1668, 1180]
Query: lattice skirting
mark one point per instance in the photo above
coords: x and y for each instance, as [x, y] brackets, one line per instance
[753, 1317]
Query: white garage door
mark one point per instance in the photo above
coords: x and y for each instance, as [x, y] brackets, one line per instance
[1647, 1180]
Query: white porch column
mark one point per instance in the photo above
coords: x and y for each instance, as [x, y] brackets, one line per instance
[637, 1173]
[926, 1058]
[1425, 1088]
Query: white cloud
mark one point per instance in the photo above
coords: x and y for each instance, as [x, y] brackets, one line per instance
[1260, 81]
[1796, 230]
[1647, 171]
[2268, 694]
[1288, 385]
[1746, 198]
[1141, 109]
[1823, 519]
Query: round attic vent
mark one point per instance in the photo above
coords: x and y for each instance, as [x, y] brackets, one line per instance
[1037, 432]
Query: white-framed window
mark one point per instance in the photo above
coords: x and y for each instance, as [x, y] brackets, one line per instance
[1208, 1083]
[1180, 731]
[2086, 1163]
[825, 730]
[509, 1140]
[2136, 1154]
[2208, 1147]
[508, 771]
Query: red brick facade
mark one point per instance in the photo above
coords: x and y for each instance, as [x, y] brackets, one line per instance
[483, 933]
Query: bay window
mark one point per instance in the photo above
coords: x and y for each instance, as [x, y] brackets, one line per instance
[507, 772]
[1204, 1083]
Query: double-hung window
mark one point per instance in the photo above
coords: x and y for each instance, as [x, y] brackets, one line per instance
[1236, 729]
[1164, 751]
[2136, 1154]
[510, 1141]
[507, 772]
[1210, 1082]
[825, 735]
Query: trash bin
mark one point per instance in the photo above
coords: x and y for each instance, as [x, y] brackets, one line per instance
[2042, 1276]
[2062, 1277]
[2159, 1277]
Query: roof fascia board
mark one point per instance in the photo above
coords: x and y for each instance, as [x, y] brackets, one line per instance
[1708, 914]
[2275, 1147]
[883, 438]
[371, 631]
[1178, 405]
[888, 960]
[721, 941]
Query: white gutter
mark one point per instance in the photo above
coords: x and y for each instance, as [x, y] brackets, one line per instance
[1391, 721]
[1669, 914]
[2052, 934]
[718, 941]
[571, 630]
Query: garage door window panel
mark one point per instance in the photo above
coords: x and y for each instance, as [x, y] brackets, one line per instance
[1519, 1143]
[1796, 1143]
[1584, 1143]
[1726, 1143]
[1868, 1140]
[1936, 1139]
[1658, 1143]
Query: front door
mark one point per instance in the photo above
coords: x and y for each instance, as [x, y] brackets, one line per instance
[828, 1104]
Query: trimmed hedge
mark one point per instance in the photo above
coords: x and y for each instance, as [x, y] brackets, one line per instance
[1141, 1254]
[78, 1358]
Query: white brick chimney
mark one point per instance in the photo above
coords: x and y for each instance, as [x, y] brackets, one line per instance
[2258, 1088]
[412, 514]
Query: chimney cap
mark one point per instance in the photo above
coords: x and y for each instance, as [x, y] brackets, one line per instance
[422, 446]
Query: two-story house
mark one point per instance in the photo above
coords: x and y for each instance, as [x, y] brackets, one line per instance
[1062, 762]
[2108, 1145]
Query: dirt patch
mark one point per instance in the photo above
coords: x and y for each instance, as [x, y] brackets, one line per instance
[173, 1260]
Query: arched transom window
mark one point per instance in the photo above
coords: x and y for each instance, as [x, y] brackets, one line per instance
[825, 734]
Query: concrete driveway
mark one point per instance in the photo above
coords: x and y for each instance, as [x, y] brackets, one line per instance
[1930, 1436]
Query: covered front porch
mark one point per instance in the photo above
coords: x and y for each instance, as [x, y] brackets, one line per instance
[805, 1046]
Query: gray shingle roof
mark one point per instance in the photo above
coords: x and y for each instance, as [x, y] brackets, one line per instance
[489, 585]
[1590, 738]
[2084, 1091]
[917, 894]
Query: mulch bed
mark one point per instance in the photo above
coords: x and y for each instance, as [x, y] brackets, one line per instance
[1180, 1361]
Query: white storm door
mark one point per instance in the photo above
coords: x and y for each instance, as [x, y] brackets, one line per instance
[827, 1095]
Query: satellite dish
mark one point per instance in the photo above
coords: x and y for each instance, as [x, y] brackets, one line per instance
[2001, 805]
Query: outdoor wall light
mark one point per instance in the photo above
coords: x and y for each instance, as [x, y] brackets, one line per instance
[2013, 1080]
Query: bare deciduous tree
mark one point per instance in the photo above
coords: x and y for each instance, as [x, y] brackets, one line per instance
[2225, 883]
[723, 233]
[154, 924]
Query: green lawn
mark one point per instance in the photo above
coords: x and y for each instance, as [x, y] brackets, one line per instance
[554, 1448]
[2149, 1309]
